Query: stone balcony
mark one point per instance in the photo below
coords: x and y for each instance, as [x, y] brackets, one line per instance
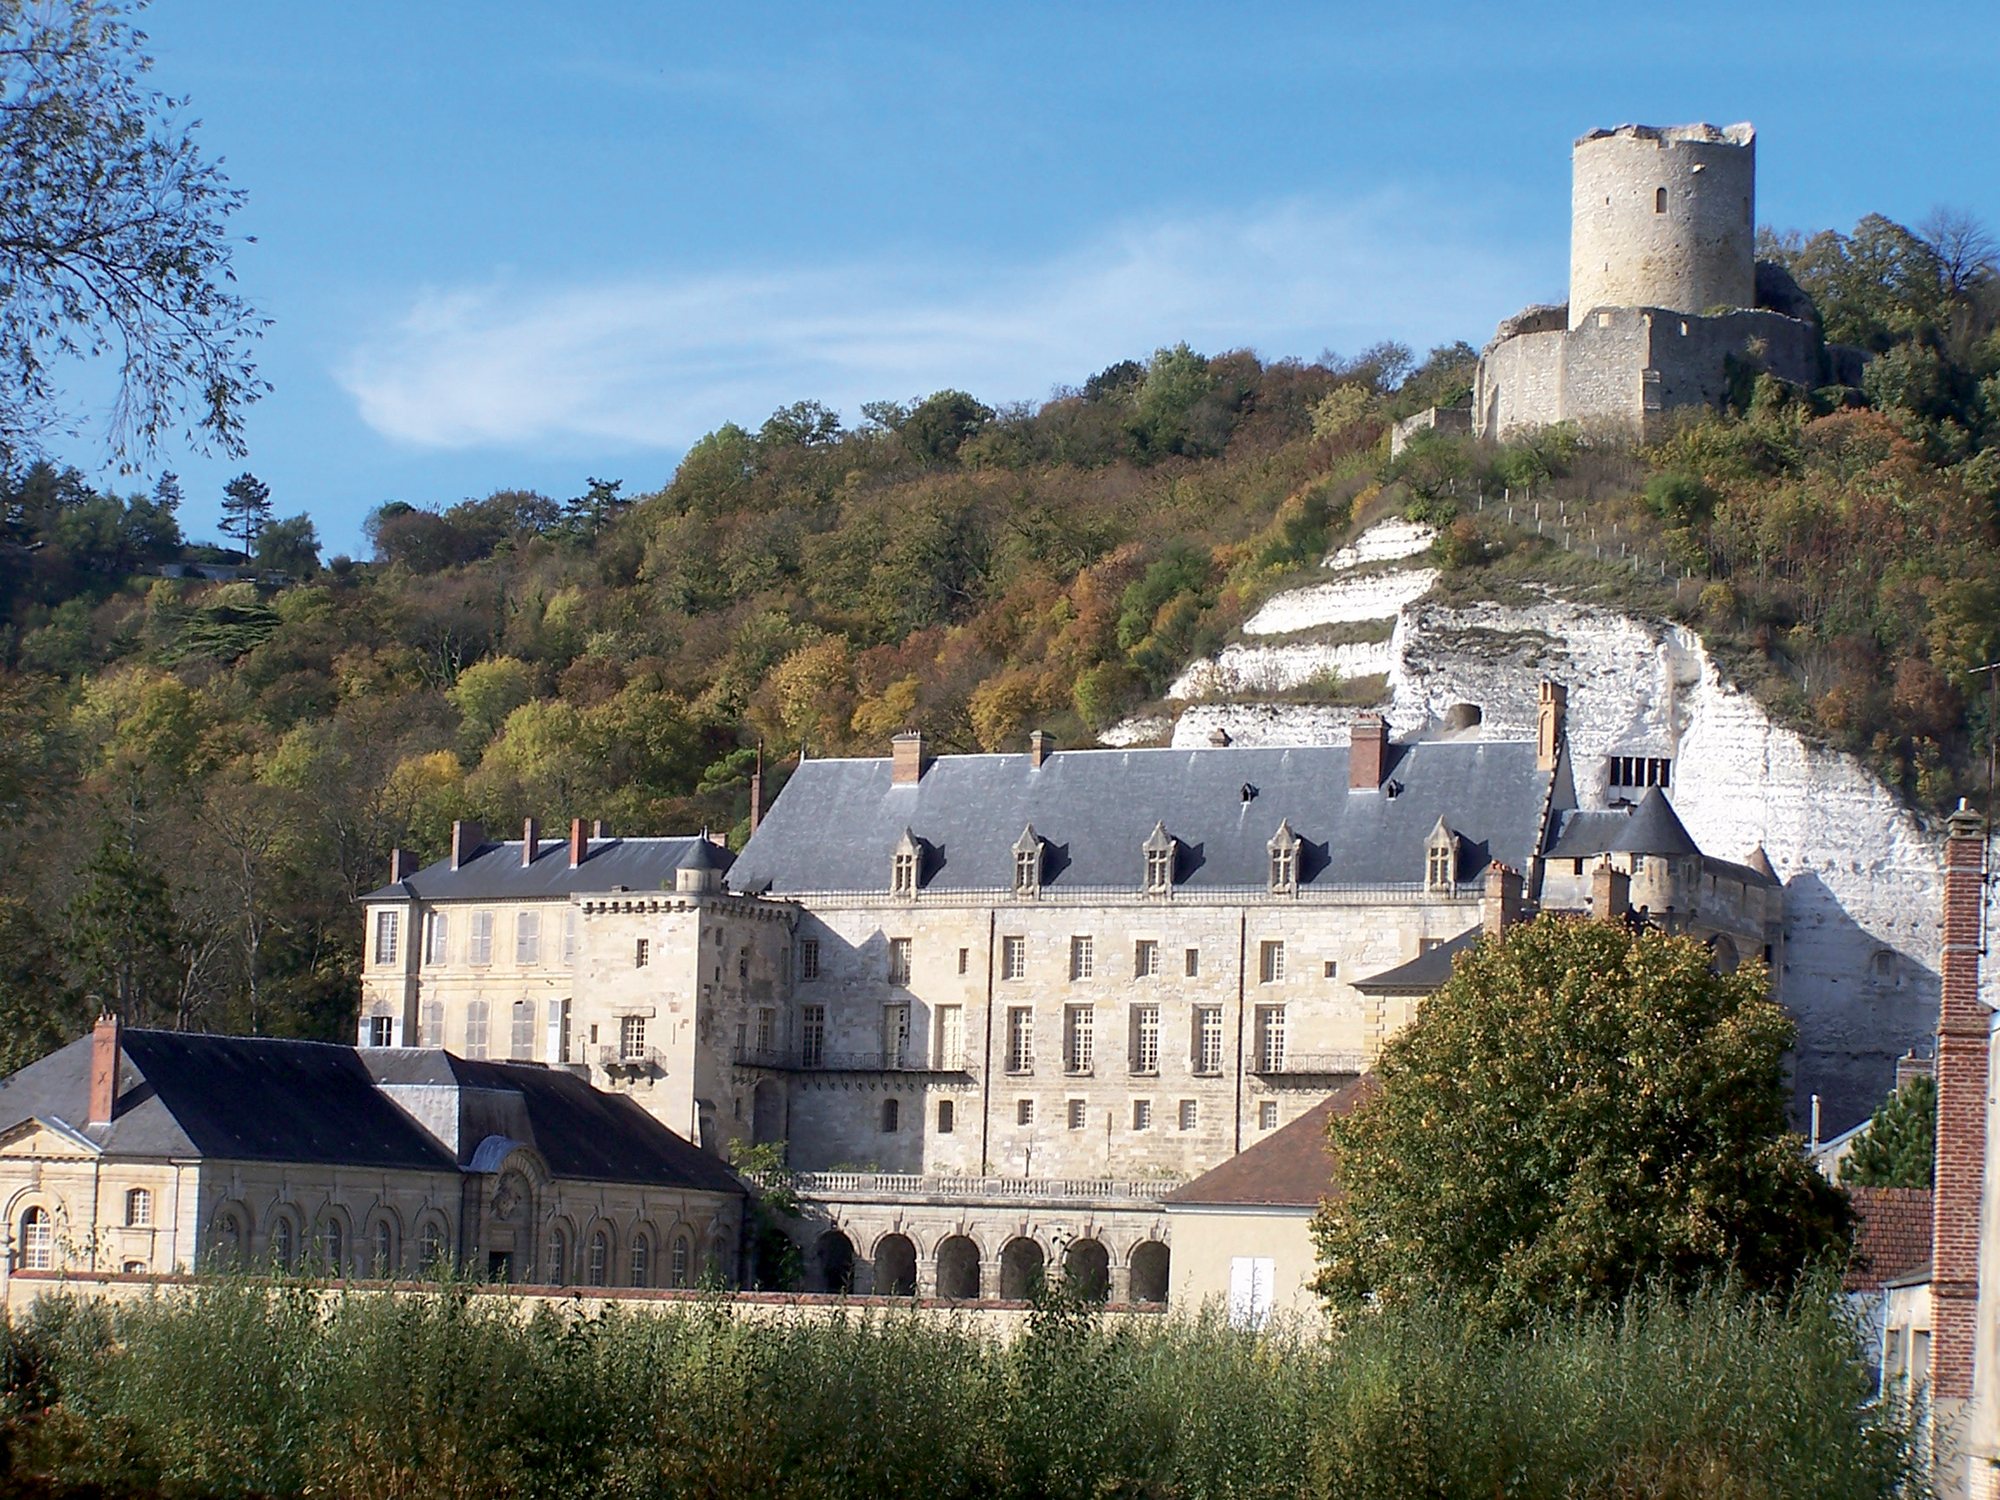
[939, 1188]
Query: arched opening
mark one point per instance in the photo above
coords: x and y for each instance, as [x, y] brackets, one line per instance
[1462, 716]
[1725, 959]
[1659, 200]
[895, 1266]
[1087, 1269]
[1020, 1269]
[892, 1116]
[138, 1207]
[431, 1257]
[681, 1265]
[38, 1250]
[558, 1267]
[1149, 1272]
[833, 1262]
[226, 1239]
[284, 1243]
[331, 1251]
[599, 1268]
[382, 1259]
[767, 1112]
[958, 1268]
[642, 1259]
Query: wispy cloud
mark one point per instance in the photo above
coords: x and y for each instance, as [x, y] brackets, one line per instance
[654, 362]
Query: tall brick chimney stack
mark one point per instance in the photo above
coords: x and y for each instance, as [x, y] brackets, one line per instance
[1367, 750]
[531, 840]
[906, 758]
[579, 843]
[1551, 708]
[757, 790]
[1962, 1065]
[1610, 893]
[466, 837]
[104, 1051]
[1500, 903]
[1039, 747]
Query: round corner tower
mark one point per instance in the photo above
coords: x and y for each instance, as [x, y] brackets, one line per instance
[1663, 216]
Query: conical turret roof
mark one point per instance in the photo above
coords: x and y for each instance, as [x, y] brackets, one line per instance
[1654, 828]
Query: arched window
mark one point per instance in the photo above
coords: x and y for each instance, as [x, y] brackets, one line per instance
[892, 1116]
[225, 1239]
[600, 1258]
[284, 1243]
[1659, 200]
[332, 1247]
[642, 1260]
[431, 1250]
[678, 1266]
[385, 1249]
[558, 1256]
[38, 1250]
[138, 1207]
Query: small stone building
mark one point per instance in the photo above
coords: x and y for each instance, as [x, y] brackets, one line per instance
[153, 1152]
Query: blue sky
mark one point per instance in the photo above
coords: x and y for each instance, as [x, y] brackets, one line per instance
[518, 244]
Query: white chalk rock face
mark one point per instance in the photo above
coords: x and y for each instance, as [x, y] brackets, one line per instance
[1387, 541]
[1862, 876]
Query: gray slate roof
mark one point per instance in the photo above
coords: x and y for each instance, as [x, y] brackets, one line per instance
[495, 871]
[1424, 973]
[1653, 827]
[836, 823]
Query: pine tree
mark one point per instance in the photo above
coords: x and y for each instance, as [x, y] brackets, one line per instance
[246, 509]
[1899, 1147]
[121, 926]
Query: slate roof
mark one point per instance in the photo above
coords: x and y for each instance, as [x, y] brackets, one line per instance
[495, 871]
[1424, 973]
[1287, 1169]
[836, 823]
[1652, 827]
[1655, 828]
[1892, 1235]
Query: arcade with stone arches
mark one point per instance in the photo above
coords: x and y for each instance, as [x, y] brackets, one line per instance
[987, 1260]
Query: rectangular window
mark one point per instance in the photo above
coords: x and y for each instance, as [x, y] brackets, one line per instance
[528, 938]
[1208, 1039]
[1079, 1038]
[1190, 1114]
[1082, 957]
[899, 960]
[435, 933]
[1193, 968]
[385, 937]
[1267, 1114]
[1013, 958]
[951, 1036]
[631, 1038]
[947, 1116]
[767, 1024]
[558, 1037]
[895, 1035]
[808, 960]
[1024, 1111]
[433, 1022]
[642, 953]
[1332, 969]
[1020, 1039]
[569, 936]
[381, 1031]
[521, 1035]
[812, 1036]
[964, 960]
[1145, 959]
[475, 1029]
[1270, 1039]
[1079, 1113]
[1270, 962]
[479, 948]
[1160, 870]
[1145, 1039]
[904, 880]
[1142, 1114]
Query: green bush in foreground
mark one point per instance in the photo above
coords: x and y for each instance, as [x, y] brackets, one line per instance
[241, 1389]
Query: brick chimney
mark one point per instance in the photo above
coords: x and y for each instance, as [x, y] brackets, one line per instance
[906, 758]
[1040, 747]
[579, 843]
[1962, 1053]
[757, 791]
[1500, 903]
[1367, 750]
[1610, 893]
[1551, 707]
[466, 837]
[1909, 1066]
[104, 1052]
[402, 865]
[531, 840]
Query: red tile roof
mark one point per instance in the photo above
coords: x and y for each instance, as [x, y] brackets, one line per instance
[1892, 1235]
[1288, 1168]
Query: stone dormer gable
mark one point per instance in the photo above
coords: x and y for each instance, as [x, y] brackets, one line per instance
[50, 1139]
[906, 865]
[1028, 862]
[1284, 849]
[1441, 858]
[1161, 851]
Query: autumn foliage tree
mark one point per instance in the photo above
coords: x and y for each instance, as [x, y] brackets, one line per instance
[1579, 1112]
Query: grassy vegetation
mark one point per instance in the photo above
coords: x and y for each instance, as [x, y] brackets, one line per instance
[238, 1389]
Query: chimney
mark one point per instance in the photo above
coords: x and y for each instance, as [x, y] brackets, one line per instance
[1909, 1066]
[1550, 710]
[1040, 747]
[597, 828]
[1962, 1051]
[466, 837]
[402, 865]
[757, 791]
[907, 760]
[531, 840]
[579, 843]
[1500, 905]
[104, 1052]
[1610, 893]
[1367, 749]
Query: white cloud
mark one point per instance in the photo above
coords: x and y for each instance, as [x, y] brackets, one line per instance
[656, 362]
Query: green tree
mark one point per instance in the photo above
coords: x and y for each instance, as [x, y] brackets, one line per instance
[1580, 1111]
[113, 239]
[289, 546]
[38, 1011]
[246, 510]
[1899, 1147]
[122, 932]
[939, 424]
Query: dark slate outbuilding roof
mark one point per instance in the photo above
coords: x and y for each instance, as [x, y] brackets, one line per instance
[836, 824]
[495, 871]
[1289, 1168]
[1422, 974]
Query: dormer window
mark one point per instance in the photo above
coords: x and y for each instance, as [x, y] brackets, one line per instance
[1441, 859]
[1284, 860]
[906, 867]
[1160, 862]
[1028, 863]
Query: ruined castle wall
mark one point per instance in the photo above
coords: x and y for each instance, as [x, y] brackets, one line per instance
[1663, 217]
[1519, 384]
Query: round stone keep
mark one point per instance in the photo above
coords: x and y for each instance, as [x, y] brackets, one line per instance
[1663, 216]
